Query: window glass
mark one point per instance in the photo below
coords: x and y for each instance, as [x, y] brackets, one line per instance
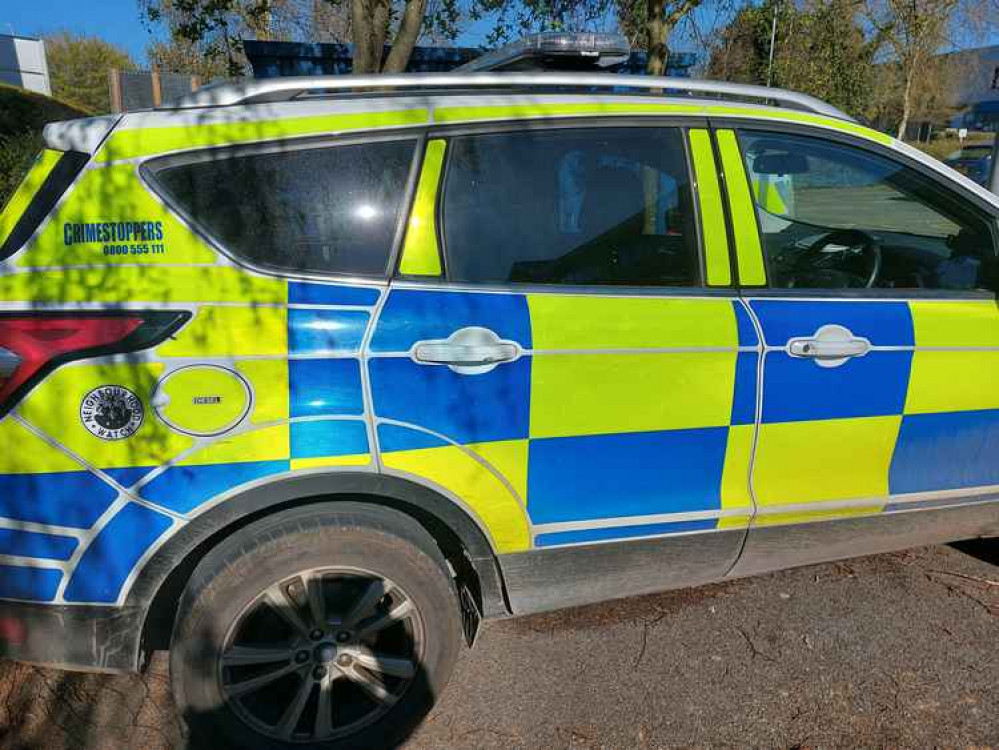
[834, 216]
[329, 210]
[571, 206]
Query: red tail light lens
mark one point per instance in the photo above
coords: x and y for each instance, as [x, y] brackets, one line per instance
[34, 344]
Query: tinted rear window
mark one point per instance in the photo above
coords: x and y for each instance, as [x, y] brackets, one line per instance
[331, 209]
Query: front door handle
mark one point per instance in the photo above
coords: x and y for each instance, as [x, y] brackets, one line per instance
[468, 351]
[831, 346]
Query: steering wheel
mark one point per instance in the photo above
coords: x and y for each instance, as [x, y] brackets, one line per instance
[853, 242]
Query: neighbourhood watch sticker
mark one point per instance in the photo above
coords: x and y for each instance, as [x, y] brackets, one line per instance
[111, 412]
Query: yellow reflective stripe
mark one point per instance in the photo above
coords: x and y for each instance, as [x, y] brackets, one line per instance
[174, 284]
[354, 459]
[29, 186]
[420, 255]
[716, 260]
[951, 323]
[740, 201]
[127, 144]
[516, 111]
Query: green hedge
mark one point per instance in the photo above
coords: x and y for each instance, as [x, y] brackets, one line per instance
[22, 116]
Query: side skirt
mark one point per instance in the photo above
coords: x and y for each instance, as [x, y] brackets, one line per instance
[546, 579]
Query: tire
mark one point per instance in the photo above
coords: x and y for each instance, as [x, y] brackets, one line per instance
[391, 632]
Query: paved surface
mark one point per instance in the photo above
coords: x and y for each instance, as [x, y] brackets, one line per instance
[900, 649]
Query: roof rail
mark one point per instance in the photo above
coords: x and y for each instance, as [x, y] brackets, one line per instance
[260, 90]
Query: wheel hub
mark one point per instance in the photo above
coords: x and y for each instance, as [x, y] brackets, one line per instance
[324, 653]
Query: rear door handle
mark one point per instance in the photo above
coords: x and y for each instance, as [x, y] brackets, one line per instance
[831, 346]
[468, 351]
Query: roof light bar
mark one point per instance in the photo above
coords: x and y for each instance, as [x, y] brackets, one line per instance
[554, 50]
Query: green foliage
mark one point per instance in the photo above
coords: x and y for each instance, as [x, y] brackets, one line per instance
[79, 65]
[820, 49]
[209, 32]
[22, 115]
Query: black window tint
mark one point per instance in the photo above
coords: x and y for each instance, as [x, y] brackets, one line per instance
[571, 206]
[330, 210]
[835, 216]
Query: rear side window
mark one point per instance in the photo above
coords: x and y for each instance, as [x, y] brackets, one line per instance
[602, 206]
[331, 209]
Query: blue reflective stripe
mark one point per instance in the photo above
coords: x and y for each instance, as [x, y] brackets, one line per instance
[467, 408]
[325, 331]
[129, 476]
[33, 544]
[300, 293]
[745, 327]
[410, 316]
[109, 559]
[184, 488]
[394, 438]
[883, 323]
[328, 437]
[36, 584]
[744, 397]
[325, 386]
[73, 498]
[622, 532]
[798, 389]
[625, 474]
[944, 451]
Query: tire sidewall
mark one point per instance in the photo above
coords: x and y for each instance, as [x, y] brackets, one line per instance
[232, 576]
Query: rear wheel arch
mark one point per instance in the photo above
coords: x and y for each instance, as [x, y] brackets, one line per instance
[164, 576]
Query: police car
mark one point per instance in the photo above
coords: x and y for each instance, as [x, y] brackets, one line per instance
[300, 378]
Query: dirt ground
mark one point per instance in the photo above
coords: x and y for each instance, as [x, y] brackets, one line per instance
[896, 650]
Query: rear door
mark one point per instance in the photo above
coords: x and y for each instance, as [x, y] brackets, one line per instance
[559, 353]
[881, 372]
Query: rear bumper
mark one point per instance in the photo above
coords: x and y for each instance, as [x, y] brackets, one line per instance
[102, 639]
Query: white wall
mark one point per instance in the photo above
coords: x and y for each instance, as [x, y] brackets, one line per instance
[23, 63]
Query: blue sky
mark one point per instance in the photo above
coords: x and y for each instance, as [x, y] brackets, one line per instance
[116, 21]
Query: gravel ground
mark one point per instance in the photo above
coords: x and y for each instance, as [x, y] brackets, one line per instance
[899, 650]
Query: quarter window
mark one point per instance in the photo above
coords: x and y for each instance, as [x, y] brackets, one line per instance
[608, 206]
[333, 209]
[834, 216]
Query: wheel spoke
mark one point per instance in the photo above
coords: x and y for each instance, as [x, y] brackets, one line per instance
[293, 713]
[237, 689]
[376, 662]
[278, 600]
[323, 726]
[317, 605]
[373, 594]
[371, 685]
[383, 620]
[241, 656]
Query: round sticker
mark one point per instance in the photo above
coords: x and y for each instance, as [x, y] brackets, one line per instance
[111, 412]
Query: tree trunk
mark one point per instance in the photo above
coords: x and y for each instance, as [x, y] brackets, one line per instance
[655, 37]
[406, 36]
[906, 101]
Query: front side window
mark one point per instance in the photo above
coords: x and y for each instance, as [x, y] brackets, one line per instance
[834, 216]
[332, 209]
[606, 206]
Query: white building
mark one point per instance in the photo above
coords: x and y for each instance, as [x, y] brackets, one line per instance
[23, 63]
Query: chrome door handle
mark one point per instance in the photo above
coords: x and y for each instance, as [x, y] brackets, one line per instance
[831, 346]
[469, 351]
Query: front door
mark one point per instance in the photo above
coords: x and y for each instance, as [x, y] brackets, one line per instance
[881, 370]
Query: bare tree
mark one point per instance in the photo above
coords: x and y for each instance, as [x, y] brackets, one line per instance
[370, 24]
[914, 31]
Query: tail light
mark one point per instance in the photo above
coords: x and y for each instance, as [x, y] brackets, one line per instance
[32, 344]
